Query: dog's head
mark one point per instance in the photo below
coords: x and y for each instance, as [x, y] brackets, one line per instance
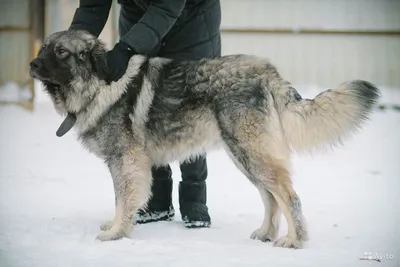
[66, 62]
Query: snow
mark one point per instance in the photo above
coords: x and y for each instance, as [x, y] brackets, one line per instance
[54, 195]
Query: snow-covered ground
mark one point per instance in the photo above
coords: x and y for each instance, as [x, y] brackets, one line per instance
[54, 195]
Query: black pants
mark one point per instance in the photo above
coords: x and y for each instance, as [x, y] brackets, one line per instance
[195, 35]
[194, 171]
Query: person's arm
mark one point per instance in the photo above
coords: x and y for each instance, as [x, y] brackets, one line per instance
[91, 15]
[146, 34]
[154, 25]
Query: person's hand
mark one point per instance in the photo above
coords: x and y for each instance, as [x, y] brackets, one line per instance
[117, 61]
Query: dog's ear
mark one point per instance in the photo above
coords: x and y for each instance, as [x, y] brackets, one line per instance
[98, 59]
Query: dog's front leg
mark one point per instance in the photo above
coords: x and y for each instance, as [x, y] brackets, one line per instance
[118, 212]
[132, 180]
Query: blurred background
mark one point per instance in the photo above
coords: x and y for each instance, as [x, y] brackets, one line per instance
[313, 42]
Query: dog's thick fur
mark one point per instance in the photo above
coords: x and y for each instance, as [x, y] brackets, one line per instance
[163, 110]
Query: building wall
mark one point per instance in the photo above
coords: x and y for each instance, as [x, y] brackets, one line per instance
[323, 14]
[15, 50]
[327, 56]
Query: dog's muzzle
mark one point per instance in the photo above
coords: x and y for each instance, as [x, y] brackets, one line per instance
[35, 65]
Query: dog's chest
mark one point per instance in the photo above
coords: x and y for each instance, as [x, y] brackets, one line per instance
[93, 146]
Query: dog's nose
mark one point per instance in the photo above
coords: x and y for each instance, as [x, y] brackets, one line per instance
[36, 63]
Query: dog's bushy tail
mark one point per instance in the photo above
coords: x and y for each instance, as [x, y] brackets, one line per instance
[329, 118]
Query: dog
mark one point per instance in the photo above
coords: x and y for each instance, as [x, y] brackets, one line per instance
[163, 110]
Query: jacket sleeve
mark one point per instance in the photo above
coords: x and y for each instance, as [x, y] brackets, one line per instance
[159, 18]
[91, 15]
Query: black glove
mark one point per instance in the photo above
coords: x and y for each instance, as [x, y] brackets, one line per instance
[117, 61]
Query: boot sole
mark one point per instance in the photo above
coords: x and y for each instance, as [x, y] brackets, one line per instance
[167, 217]
[197, 224]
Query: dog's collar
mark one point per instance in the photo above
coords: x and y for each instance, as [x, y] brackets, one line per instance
[69, 121]
[66, 125]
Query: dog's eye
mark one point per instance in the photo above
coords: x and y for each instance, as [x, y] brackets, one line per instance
[61, 51]
[81, 55]
[44, 46]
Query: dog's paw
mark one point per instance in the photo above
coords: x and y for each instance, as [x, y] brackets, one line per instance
[288, 242]
[110, 235]
[106, 226]
[261, 234]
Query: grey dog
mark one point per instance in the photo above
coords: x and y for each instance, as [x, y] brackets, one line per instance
[164, 110]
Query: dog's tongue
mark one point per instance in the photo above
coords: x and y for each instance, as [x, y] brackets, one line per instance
[66, 125]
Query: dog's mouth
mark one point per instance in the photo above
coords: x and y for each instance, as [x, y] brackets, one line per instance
[41, 77]
[35, 75]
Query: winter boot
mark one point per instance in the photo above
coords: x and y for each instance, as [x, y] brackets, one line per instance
[192, 202]
[159, 207]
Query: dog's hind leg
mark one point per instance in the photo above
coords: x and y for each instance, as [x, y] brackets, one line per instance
[279, 184]
[270, 226]
[258, 143]
[132, 186]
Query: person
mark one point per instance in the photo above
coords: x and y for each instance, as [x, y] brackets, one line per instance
[177, 29]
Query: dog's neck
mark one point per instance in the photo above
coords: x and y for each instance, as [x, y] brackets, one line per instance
[94, 97]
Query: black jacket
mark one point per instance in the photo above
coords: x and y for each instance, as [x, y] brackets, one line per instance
[158, 18]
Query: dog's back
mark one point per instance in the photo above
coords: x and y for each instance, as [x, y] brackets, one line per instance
[199, 98]
[246, 82]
